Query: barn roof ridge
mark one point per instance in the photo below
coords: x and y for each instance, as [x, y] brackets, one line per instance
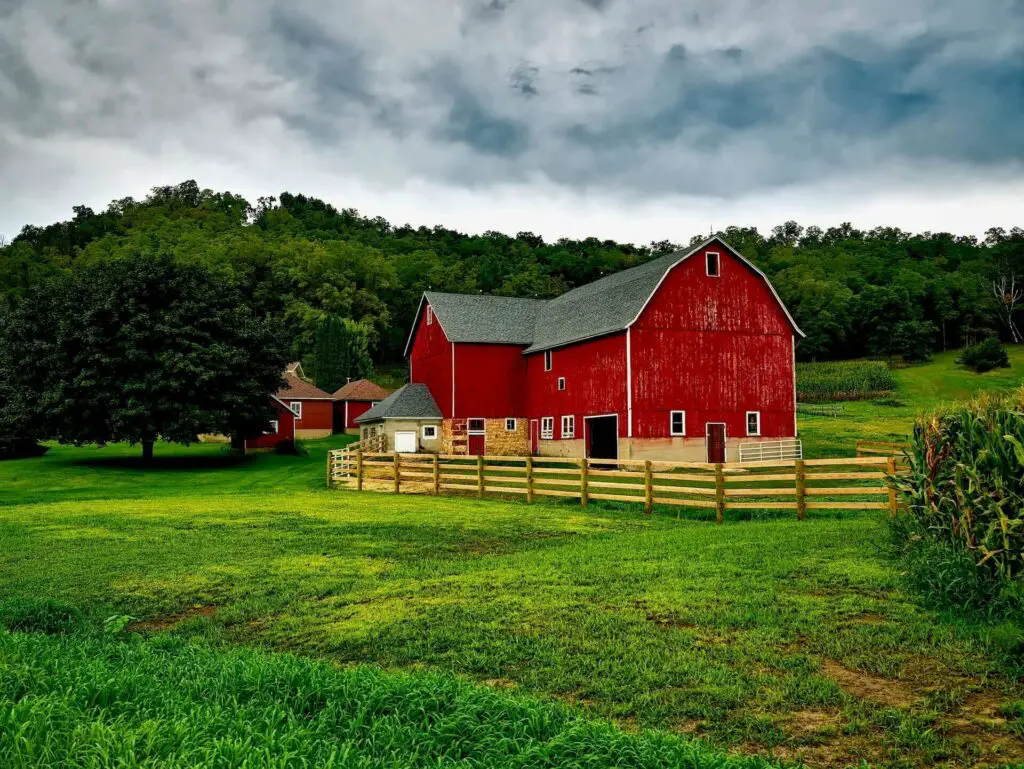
[361, 390]
[411, 401]
[604, 306]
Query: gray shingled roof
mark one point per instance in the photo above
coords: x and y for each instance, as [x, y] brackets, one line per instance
[603, 307]
[485, 319]
[413, 401]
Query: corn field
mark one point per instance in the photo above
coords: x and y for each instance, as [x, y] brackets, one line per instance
[843, 381]
[963, 525]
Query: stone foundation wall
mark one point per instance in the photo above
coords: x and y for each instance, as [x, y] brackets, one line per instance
[499, 441]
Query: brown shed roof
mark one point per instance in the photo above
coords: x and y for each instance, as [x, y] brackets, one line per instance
[299, 389]
[361, 390]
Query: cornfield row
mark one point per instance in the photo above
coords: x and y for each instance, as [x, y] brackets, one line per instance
[843, 381]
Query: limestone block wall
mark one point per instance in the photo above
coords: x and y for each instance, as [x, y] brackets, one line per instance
[499, 440]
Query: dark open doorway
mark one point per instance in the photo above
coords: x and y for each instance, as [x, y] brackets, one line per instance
[603, 437]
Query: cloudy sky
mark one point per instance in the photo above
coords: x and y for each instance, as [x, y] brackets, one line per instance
[632, 119]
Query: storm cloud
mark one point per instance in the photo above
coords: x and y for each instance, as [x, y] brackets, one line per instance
[641, 102]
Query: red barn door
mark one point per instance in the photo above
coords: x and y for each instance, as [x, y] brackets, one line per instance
[477, 437]
[716, 442]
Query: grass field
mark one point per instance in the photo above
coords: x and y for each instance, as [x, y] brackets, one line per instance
[920, 387]
[779, 638]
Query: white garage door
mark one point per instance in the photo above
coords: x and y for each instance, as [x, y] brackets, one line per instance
[405, 443]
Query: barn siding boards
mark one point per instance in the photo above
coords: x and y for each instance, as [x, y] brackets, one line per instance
[317, 418]
[285, 430]
[595, 383]
[715, 347]
[489, 381]
[431, 362]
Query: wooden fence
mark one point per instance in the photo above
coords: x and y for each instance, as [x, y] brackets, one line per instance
[881, 448]
[856, 483]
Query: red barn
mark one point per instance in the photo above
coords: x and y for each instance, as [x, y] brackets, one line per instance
[282, 429]
[684, 357]
[353, 400]
[312, 407]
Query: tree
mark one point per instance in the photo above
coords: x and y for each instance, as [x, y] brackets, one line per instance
[342, 352]
[141, 349]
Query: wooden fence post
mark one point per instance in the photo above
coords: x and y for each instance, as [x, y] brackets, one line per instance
[330, 461]
[480, 476]
[648, 489]
[359, 470]
[801, 490]
[584, 483]
[529, 479]
[437, 475]
[719, 494]
[890, 468]
[398, 473]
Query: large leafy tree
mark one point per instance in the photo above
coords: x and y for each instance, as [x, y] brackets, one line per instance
[140, 349]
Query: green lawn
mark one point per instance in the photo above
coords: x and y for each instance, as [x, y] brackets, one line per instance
[779, 638]
[921, 387]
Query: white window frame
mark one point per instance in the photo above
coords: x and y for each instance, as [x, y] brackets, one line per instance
[432, 436]
[510, 425]
[568, 426]
[430, 315]
[672, 421]
[549, 360]
[718, 264]
[547, 428]
[746, 424]
[275, 427]
[479, 431]
[296, 407]
[561, 384]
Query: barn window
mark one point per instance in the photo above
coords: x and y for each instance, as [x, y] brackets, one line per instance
[561, 383]
[568, 427]
[547, 428]
[677, 423]
[547, 360]
[296, 407]
[273, 427]
[713, 264]
[476, 425]
[510, 425]
[430, 315]
[753, 423]
[429, 432]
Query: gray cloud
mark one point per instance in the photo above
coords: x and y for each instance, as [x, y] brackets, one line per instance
[641, 99]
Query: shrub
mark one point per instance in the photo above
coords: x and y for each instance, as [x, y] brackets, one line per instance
[984, 356]
[961, 534]
[35, 615]
[843, 381]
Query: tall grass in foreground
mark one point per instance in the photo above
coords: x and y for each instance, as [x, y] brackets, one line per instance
[962, 533]
[843, 381]
[84, 701]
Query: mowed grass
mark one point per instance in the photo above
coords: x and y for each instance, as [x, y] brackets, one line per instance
[920, 387]
[776, 638]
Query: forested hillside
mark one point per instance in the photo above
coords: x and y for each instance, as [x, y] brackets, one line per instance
[881, 293]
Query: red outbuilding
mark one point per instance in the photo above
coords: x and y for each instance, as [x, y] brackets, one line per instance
[353, 400]
[312, 407]
[282, 429]
[688, 356]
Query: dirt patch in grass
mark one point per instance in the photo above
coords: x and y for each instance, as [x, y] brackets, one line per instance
[808, 722]
[168, 621]
[869, 687]
[866, 619]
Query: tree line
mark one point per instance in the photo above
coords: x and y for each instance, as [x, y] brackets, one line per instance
[881, 293]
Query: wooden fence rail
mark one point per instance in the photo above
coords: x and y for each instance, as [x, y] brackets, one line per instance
[855, 483]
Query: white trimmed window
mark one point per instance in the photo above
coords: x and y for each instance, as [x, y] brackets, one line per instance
[429, 432]
[753, 423]
[677, 423]
[475, 425]
[296, 407]
[547, 428]
[548, 361]
[510, 425]
[430, 315]
[273, 427]
[561, 383]
[714, 264]
[568, 427]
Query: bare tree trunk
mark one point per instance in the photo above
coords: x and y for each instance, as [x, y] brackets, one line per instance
[1008, 295]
